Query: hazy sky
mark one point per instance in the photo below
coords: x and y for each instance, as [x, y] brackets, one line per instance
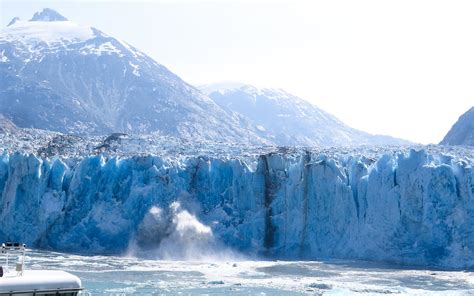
[402, 68]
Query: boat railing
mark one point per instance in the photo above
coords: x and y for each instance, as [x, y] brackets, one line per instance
[9, 247]
[45, 292]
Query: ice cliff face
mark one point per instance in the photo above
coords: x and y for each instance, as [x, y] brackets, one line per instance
[462, 132]
[411, 207]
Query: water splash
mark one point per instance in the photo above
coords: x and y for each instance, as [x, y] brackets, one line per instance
[175, 233]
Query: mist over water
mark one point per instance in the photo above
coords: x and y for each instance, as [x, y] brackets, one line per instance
[175, 233]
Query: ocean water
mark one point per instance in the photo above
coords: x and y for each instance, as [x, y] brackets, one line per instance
[114, 275]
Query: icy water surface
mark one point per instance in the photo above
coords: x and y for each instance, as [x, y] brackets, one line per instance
[110, 275]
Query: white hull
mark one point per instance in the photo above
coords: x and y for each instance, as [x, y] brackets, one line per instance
[40, 282]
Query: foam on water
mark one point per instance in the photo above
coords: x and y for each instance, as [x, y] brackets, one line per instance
[117, 275]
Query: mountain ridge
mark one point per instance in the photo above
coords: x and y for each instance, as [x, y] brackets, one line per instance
[65, 77]
[462, 132]
[61, 76]
[47, 15]
[285, 118]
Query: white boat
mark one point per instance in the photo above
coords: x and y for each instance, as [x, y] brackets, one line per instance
[18, 281]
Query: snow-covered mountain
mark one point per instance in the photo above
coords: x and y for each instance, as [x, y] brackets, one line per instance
[462, 132]
[285, 119]
[61, 76]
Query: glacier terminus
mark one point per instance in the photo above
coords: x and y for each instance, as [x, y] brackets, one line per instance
[397, 205]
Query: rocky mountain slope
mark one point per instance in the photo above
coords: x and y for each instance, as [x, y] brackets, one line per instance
[462, 132]
[286, 120]
[61, 76]
[6, 126]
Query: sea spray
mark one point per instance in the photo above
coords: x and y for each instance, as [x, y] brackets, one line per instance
[175, 233]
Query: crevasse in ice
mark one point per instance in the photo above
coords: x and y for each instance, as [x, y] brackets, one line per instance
[413, 207]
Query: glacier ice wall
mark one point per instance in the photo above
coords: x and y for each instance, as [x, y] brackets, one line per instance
[409, 207]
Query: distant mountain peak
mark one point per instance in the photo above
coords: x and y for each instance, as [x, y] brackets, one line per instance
[288, 120]
[462, 132]
[225, 86]
[14, 20]
[82, 81]
[48, 15]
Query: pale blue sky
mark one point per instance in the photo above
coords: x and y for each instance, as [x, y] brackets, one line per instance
[403, 68]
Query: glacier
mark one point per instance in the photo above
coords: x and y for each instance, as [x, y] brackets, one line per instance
[407, 206]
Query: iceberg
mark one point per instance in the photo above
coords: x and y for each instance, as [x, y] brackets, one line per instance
[402, 206]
